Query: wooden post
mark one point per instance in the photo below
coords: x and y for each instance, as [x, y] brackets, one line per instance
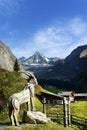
[69, 114]
[44, 106]
[65, 112]
[86, 122]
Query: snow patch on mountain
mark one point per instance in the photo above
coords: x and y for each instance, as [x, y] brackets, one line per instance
[38, 62]
[38, 59]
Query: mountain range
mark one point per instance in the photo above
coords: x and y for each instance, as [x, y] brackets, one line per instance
[68, 68]
[48, 68]
[38, 62]
[55, 68]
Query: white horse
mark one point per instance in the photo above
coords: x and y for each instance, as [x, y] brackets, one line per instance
[25, 96]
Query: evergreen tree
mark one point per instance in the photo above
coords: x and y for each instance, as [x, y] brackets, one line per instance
[16, 66]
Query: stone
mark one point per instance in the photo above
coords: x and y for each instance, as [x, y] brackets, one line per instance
[33, 117]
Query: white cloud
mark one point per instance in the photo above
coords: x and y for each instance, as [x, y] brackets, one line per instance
[51, 37]
[56, 40]
[78, 27]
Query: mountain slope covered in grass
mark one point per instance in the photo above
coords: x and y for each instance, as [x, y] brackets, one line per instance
[12, 82]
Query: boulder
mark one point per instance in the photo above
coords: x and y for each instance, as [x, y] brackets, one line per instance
[35, 117]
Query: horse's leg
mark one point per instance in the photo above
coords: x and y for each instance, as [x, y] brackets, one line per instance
[32, 97]
[11, 115]
[28, 105]
[32, 104]
[16, 111]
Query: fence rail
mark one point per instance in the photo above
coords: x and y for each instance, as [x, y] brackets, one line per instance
[74, 119]
[78, 120]
[55, 115]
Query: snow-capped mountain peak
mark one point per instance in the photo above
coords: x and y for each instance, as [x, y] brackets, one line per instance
[38, 60]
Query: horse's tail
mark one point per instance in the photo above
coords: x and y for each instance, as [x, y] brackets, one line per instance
[9, 102]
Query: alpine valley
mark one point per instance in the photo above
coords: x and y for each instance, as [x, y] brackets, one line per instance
[70, 67]
[69, 73]
[55, 68]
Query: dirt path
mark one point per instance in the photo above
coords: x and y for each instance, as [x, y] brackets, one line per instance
[5, 126]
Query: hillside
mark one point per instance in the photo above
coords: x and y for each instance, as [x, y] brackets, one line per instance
[12, 82]
[80, 81]
[68, 68]
[7, 59]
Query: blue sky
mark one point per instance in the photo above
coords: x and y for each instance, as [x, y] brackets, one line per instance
[53, 27]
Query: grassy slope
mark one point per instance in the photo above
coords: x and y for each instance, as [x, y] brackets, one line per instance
[47, 126]
[11, 82]
[79, 109]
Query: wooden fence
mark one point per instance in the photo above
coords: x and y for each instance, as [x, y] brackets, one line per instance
[74, 119]
[78, 120]
[56, 117]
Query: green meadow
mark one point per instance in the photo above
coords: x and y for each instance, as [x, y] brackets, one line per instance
[11, 82]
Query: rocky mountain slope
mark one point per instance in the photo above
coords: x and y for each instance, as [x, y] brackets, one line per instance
[68, 68]
[38, 62]
[7, 59]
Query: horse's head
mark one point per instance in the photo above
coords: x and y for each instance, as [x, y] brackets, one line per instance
[30, 77]
[29, 85]
[31, 80]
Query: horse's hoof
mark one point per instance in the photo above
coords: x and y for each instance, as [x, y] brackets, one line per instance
[13, 124]
[18, 125]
